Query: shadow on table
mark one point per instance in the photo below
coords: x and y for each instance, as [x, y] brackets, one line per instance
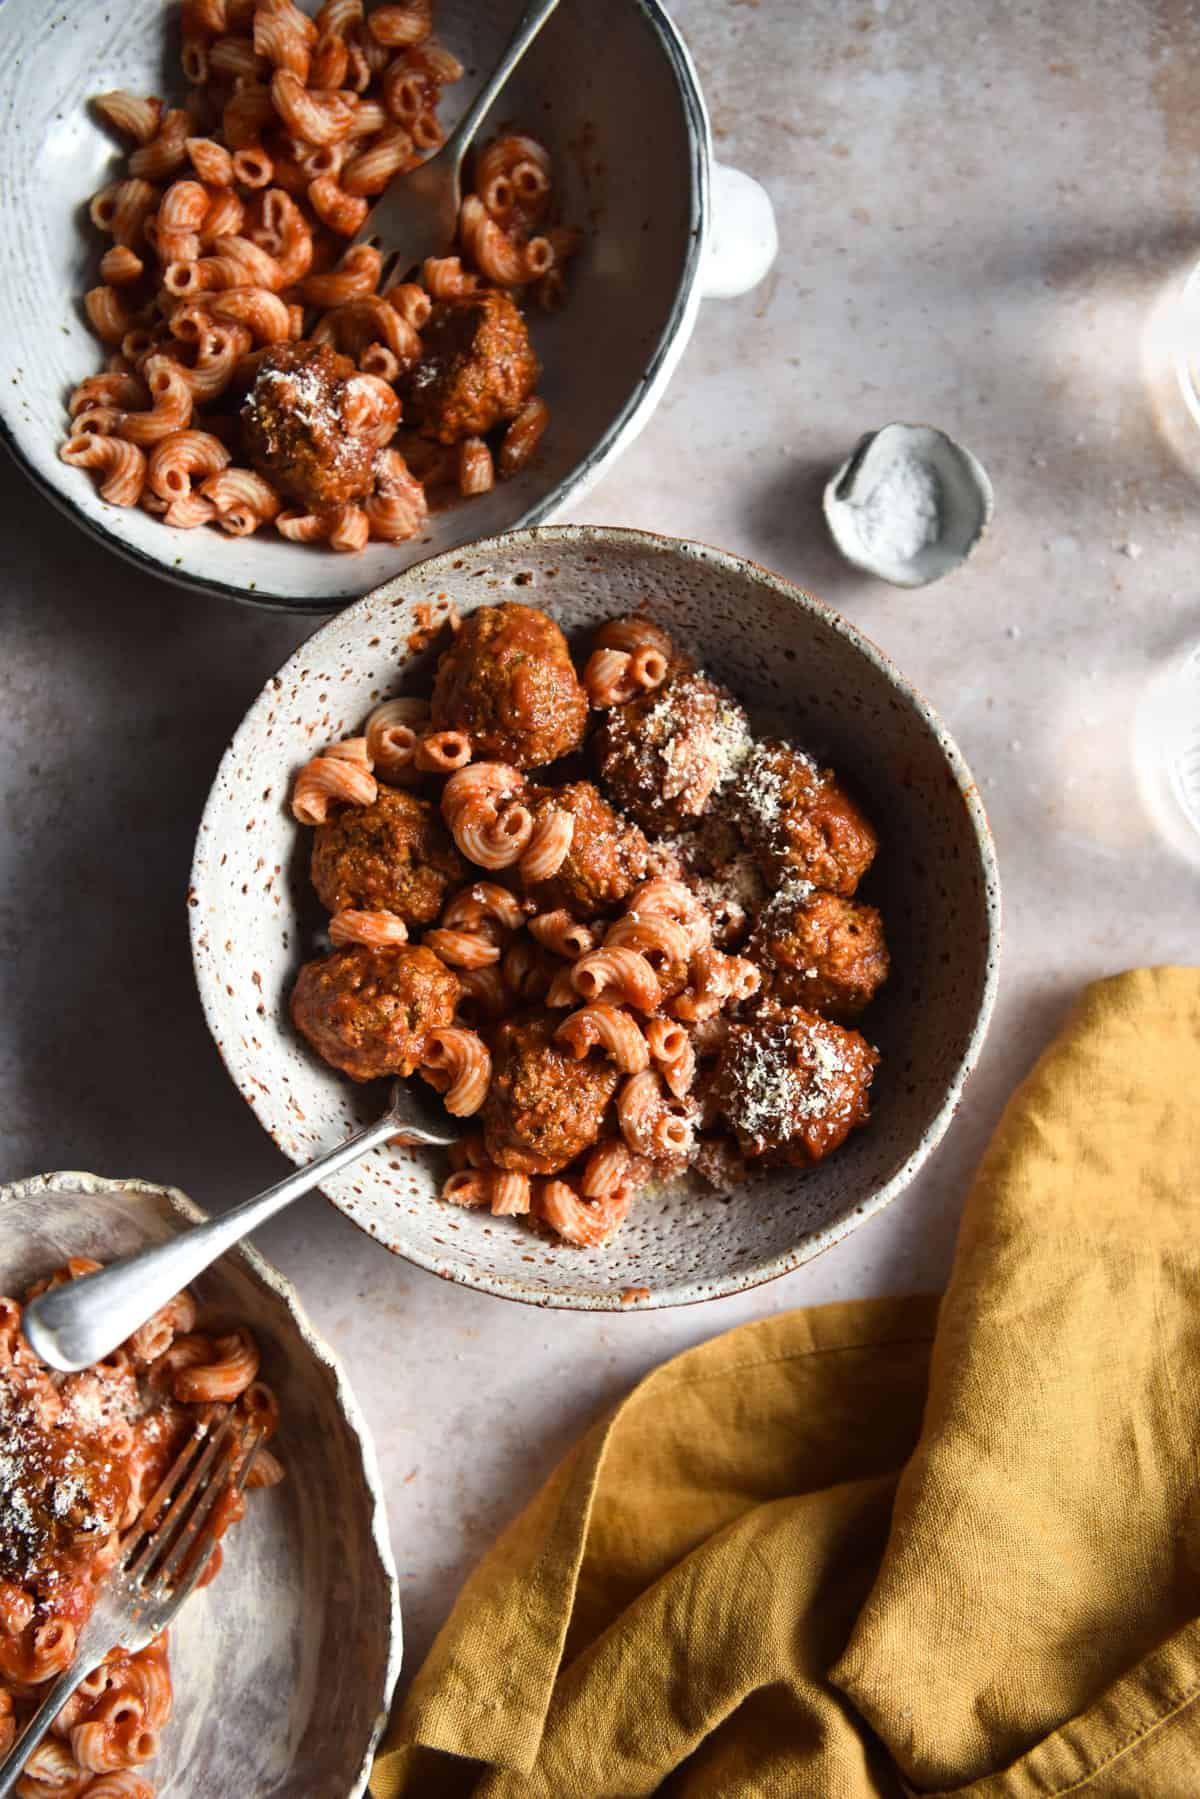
[119, 694]
[1059, 374]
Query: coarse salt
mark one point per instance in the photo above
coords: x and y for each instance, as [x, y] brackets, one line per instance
[902, 514]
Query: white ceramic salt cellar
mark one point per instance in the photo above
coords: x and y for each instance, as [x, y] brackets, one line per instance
[909, 504]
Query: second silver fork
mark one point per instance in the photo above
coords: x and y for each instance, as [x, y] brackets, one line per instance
[162, 1559]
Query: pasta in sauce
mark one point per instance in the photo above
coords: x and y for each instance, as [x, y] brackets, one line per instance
[80, 1457]
[257, 376]
[613, 1004]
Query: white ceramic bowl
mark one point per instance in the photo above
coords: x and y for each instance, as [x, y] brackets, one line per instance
[285, 1667]
[611, 89]
[801, 670]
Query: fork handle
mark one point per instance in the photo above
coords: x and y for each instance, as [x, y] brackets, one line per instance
[12, 1765]
[82, 1321]
[532, 20]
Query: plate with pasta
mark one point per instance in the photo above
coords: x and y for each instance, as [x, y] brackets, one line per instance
[221, 384]
[247, 1692]
[649, 864]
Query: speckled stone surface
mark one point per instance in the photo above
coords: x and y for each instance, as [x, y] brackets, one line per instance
[983, 214]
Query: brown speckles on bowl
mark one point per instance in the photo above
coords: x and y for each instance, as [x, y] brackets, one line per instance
[309, 1572]
[935, 878]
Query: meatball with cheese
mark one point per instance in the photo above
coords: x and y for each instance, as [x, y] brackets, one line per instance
[792, 1085]
[369, 1011]
[297, 431]
[820, 950]
[799, 821]
[477, 367]
[663, 756]
[508, 681]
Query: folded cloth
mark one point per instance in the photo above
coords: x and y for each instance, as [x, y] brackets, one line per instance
[889, 1546]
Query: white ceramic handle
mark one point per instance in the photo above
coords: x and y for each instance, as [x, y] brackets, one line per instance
[743, 241]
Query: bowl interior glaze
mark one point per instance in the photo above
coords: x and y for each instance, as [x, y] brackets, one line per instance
[284, 1667]
[611, 91]
[801, 670]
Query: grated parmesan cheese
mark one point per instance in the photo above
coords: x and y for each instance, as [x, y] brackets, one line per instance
[782, 1075]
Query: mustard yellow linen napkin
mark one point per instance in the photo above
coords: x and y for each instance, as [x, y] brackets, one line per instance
[888, 1547]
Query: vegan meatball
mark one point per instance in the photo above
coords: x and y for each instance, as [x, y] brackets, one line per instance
[723, 875]
[369, 1011]
[607, 858]
[820, 951]
[793, 1084]
[799, 821]
[477, 367]
[394, 855]
[664, 755]
[294, 427]
[543, 1107]
[508, 681]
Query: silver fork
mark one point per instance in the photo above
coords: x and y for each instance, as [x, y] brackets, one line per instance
[82, 1321]
[144, 1591]
[417, 214]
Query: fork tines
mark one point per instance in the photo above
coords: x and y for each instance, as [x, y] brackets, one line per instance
[167, 1549]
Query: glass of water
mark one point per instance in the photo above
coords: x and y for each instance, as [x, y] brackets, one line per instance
[1168, 750]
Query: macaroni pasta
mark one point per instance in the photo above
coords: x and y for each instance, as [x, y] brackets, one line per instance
[228, 237]
[81, 1457]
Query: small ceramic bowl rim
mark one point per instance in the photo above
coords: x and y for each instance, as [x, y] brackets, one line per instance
[623, 429]
[813, 1243]
[190, 1213]
[975, 472]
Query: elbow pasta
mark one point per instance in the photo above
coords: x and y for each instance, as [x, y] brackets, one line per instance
[549, 846]
[332, 776]
[608, 680]
[377, 930]
[397, 510]
[587, 1223]
[224, 1378]
[629, 656]
[674, 1053]
[606, 1027]
[485, 900]
[122, 465]
[243, 199]
[649, 1124]
[458, 1064]
[560, 993]
[675, 902]
[715, 979]
[660, 940]
[242, 500]
[562, 934]
[522, 438]
[463, 949]
[486, 820]
[607, 1169]
[485, 994]
[393, 733]
[441, 752]
[121, 1436]
[622, 977]
[528, 971]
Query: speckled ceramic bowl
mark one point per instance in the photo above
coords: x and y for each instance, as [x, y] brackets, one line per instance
[802, 670]
[284, 1668]
[612, 90]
